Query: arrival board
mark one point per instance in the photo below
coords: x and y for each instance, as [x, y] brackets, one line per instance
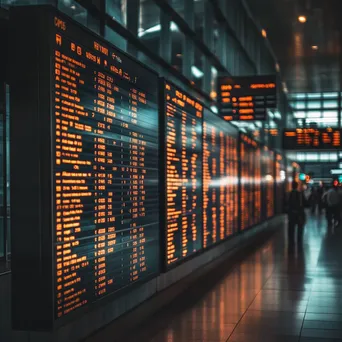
[220, 179]
[312, 139]
[246, 98]
[102, 122]
[250, 201]
[183, 160]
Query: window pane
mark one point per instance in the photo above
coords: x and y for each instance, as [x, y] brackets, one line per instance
[149, 25]
[197, 70]
[7, 3]
[117, 10]
[327, 95]
[178, 6]
[115, 39]
[324, 156]
[314, 104]
[177, 47]
[314, 95]
[330, 104]
[300, 105]
[330, 114]
[199, 18]
[313, 114]
[299, 115]
[74, 10]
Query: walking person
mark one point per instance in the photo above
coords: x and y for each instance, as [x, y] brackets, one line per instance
[332, 200]
[296, 214]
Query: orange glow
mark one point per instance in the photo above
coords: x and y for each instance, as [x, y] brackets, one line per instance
[263, 86]
[302, 19]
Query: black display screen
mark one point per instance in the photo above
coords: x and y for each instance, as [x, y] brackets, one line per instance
[220, 179]
[183, 160]
[104, 139]
[246, 98]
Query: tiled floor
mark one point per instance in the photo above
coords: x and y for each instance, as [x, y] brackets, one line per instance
[275, 294]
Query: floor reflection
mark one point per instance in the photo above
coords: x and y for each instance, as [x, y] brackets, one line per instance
[277, 293]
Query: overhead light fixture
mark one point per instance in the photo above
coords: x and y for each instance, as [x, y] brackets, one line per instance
[314, 47]
[264, 33]
[152, 29]
[213, 94]
[157, 28]
[302, 19]
[214, 109]
[336, 171]
[197, 72]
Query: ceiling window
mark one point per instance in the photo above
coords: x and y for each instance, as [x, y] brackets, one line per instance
[300, 105]
[330, 95]
[299, 115]
[314, 95]
[330, 104]
[314, 104]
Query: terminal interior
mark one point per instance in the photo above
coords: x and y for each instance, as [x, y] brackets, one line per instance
[170, 171]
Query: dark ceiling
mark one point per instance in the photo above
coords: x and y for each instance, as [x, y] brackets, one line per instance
[303, 68]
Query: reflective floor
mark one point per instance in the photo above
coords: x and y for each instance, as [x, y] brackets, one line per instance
[275, 294]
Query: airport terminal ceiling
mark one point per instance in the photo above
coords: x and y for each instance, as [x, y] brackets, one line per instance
[309, 53]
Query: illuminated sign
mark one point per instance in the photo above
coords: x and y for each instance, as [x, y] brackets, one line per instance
[246, 98]
[312, 138]
[220, 180]
[87, 205]
[183, 173]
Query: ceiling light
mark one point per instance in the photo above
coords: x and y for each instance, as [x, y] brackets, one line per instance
[196, 72]
[314, 47]
[264, 33]
[214, 109]
[302, 19]
[73, 7]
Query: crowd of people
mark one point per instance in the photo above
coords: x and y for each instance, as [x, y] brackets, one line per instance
[318, 198]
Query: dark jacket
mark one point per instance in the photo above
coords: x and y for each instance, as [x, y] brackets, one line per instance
[296, 203]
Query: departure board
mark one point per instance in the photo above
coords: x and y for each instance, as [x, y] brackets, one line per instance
[220, 179]
[312, 139]
[246, 98]
[269, 182]
[101, 141]
[183, 173]
[280, 174]
[251, 179]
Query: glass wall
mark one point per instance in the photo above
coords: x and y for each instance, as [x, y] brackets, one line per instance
[318, 109]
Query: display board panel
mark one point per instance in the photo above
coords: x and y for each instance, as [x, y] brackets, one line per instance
[220, 179]
[268, 171]
[251, 182]
[312, 139]
[280, 178]
[183, 117]
[246, 98]
[94, 214]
